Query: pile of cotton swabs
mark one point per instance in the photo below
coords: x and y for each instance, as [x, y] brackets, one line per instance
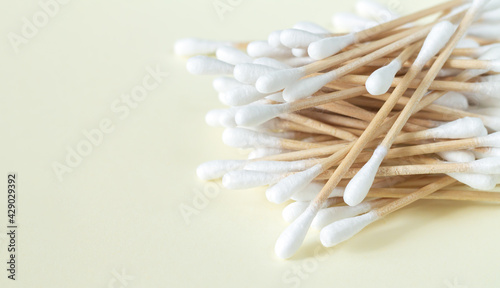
[354, 126]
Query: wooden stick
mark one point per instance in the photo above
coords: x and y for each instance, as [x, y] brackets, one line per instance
[448, 194]
[434, 85]
[450, 63]
[319, 126]
[414, 196]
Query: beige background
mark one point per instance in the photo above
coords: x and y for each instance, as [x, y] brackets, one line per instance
[118, 210]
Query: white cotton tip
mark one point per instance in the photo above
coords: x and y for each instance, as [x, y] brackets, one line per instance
[349, 22]
[263, 152]
[243, 179]
[273, 39]
[294, 38]
[490, 89]
[223, 84]
[467, 43]
[467, 127]
[307, 86]
[232, 55]
[277, 80]
[195, 46]
[292, 237]
[253, 115]
[248, 73]
[481, 153]
[327, 47]
[258, 49]
[244, 138]
[216, 169]
[242, 95]
[204, 65]
[375, 11]
[276, 97]
[285, 188]
[312, 190]
[273, 63]
[329, 215]
[437, 38]
[310, 27]
[460, 156]
[358, 187]
[486, 31]
[298, 52]
[344, 229]
[293, 210]
[481, 182]
[227, 117]
[381, 79]
[278, 166]
[491, 140]
[453, 100]
[212, 118]
[486, 165]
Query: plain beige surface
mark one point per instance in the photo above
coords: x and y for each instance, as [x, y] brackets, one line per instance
[118, 211]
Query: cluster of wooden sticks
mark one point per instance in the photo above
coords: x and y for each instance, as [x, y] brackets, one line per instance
[354, 126]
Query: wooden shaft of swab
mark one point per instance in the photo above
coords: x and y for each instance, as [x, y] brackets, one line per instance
[423, 169]
[326, 98]
[320, 126]
[289, 125]
[435, 84]
[414, 196]
[370, 32]
[298, 145]
[336, 119]
[448, 194]
[450, 63]
[410, 170]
